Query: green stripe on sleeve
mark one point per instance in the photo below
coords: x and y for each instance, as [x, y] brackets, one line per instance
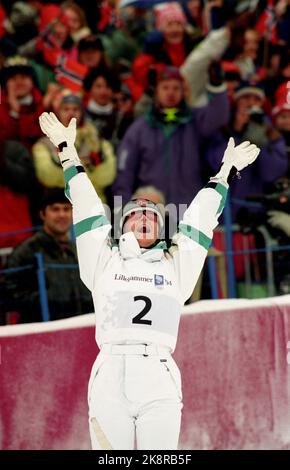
[89, 224]
[222, 190]
[69, 173]
[195, 235]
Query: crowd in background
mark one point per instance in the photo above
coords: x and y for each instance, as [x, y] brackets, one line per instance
[157, 91]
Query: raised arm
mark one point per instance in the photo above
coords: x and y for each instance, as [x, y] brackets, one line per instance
[90, 222]
[194, 237]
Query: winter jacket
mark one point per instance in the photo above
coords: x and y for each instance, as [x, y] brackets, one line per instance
[168, 155]
[67, 296]
[25, 127]
[97, 156]
[156, 52]
[271, 164]
[17, 180]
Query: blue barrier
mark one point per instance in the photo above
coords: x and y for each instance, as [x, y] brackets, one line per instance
[19, 232]
[15, 270]
[42, 288]
[213, 277]
[229, 245]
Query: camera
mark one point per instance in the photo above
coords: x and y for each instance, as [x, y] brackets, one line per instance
[256, 115]
[278, 199]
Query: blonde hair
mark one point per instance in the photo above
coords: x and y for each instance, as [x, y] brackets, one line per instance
[71, 5]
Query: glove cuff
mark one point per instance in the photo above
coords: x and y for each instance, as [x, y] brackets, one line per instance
[68, 155]
[227, 173]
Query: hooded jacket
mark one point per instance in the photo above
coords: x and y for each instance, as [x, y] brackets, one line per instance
[168, 155]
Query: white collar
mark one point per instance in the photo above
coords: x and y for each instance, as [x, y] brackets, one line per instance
[98, 109]
[26, 100]
[129, 248]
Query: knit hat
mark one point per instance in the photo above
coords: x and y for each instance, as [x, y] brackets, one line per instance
[282, 99]
[167, 12]
[64, 96]
[68, 97]
[281, 106]
[168, 72]
[49, 15]
[140, 204]
[22, 14]
[250, 88]
[231, 70]
[14, 65]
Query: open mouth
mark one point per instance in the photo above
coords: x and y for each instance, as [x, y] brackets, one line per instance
[144, 229]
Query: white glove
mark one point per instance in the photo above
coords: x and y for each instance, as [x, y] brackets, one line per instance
[280, 220]
[237, 157]
[56, 131]
[59, 134]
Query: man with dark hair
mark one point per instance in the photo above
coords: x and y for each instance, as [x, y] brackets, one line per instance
[67, 295]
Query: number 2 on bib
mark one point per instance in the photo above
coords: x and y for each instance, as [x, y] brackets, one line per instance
[139, 318]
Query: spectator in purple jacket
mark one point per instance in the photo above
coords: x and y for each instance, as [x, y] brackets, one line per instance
[250, 123]
[162, 148]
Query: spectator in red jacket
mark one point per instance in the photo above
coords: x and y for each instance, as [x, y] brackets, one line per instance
[168, 45]
[21, 102]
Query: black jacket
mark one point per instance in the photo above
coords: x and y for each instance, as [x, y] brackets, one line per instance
[67, 295]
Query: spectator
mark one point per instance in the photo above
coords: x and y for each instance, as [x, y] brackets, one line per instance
[91, 52]
[169, 45]
[21, 102]
[67, 295]
[232, 77]
[250, 123]
[96, 154]
[76, 21]
[278, 71]
[101, 85]
[281, 117]
[122, 31]
[17, 186]
[123, 103]
[162, 148]
[194, 14]
[246, 50]
[21, 25]
[53, 39]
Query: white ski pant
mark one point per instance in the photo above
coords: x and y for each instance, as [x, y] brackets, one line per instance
[135, 398]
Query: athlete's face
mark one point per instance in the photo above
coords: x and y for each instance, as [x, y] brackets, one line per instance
[144, 225]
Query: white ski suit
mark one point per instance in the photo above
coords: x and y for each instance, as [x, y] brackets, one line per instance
[134, 394]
